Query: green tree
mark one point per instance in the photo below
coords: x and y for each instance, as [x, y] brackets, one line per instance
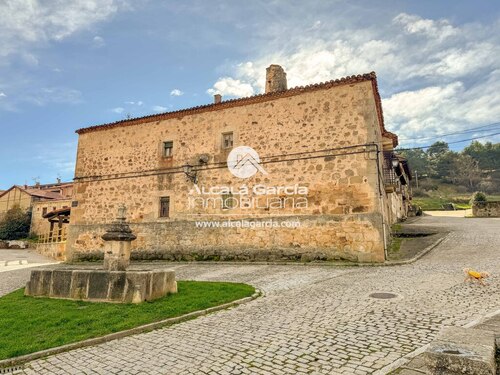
[487, 155]
[438, 149]
[418, 160]
[444, 166]
[15, 224]
[466, 172]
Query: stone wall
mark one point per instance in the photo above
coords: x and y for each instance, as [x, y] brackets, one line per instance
[54, 250]
[39, 225]
[486, 209]
[322, 140]
[328, 237]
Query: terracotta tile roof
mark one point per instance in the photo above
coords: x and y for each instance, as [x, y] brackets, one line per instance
[252, 100]
[43, 193]
[49, 186]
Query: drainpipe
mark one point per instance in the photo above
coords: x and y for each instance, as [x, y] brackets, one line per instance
[384, 231]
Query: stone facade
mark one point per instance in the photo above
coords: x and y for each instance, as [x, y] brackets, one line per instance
[38, 199]
[39, 224]
[54, 250]
[486, 209]
[327, 138]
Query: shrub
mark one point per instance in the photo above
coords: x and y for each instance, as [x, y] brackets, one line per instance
[478, 196]
[419, 192]
[417, 209]
[15, 224]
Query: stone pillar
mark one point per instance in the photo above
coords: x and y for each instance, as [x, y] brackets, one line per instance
[275, 79]
[117, 243]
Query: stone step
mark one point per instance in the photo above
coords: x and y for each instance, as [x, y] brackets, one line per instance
[456, 351]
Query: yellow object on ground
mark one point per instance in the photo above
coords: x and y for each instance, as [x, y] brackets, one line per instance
[475, 274]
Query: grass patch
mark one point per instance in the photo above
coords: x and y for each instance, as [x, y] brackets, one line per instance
[437, 203]
[437, 199]
[29, 324]
[395, 245]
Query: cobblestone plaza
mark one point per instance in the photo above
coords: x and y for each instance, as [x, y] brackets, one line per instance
[312, 319]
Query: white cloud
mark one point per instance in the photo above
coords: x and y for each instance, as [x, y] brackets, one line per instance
[414, 24]
[47, 95]
[231, 87]
[435, 76]
[159, 108]
[98, 41]
[28, 26]
[2, 95]
[139, 103]
[118, 110]
[176, 92]
[29, 22]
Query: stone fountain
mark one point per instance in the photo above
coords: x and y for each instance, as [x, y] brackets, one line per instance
[114, 283]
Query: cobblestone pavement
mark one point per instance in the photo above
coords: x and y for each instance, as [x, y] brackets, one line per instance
[313, 319]
[15, 276]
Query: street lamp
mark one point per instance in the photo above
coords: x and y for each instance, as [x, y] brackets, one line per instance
[395, 162]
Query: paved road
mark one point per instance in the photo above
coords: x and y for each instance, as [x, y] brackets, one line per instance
[16, 272]
[313, 319]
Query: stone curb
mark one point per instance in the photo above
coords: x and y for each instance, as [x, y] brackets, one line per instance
[419, 255]
[16, 361]
[401, 362]
[6, 263]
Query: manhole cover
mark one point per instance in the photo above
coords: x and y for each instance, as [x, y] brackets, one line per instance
[383, 295]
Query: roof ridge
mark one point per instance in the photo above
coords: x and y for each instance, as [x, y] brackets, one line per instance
[252, 100]
[236, 101]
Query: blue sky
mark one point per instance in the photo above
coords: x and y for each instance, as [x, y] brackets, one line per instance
[71, 64]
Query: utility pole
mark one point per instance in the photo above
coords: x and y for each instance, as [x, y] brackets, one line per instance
[416, 178]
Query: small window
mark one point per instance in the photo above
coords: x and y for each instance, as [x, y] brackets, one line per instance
[168, 148]
[227, 140]
[164, 206]
[227, 201]
[44, 211]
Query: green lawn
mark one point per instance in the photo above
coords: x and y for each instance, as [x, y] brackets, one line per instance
[435, 203]
[460, 201]
[29, 324]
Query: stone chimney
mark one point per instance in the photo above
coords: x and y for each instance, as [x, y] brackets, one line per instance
[217, 98]
[275, 79]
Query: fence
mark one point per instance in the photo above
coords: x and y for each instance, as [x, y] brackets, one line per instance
[57, 235]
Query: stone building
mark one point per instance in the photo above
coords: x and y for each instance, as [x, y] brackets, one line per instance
[324, 182]
[39, 199]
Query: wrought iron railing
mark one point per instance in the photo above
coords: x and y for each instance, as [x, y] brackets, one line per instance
[391, 179]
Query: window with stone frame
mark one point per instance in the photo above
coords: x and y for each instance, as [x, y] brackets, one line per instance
[44, 211]
[168, 149]
[227, 201]
[165, 207]
[227, 140]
